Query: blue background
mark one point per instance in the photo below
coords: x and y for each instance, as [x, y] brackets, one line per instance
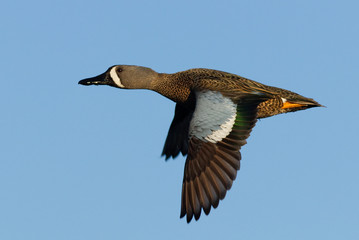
[84, 162]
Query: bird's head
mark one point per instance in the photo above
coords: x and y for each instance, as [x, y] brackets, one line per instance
[124, 76]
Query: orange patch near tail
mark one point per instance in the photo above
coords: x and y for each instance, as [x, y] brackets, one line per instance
[291, 105]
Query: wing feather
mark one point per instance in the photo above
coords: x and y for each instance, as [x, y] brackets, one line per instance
[211, 165]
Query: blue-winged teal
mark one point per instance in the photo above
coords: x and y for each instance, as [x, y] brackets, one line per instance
[214, 115]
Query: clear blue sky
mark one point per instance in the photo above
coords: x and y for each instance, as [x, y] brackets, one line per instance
[84, 162]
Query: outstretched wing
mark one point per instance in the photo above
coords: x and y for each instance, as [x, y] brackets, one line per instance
[218, 129]
[177, 137]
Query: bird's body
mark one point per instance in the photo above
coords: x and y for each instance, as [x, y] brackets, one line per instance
[214, 115]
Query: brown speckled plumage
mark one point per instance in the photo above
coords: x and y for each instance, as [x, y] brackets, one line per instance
[178, 86]
[211, 165]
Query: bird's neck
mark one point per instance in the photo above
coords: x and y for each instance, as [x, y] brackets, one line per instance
[172, 87]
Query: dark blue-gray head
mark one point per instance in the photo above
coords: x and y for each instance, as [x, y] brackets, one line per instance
[124, 76]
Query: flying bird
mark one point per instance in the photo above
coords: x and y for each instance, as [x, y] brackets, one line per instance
[214, 115]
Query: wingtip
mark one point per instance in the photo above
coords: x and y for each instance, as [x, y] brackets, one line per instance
[316, 105]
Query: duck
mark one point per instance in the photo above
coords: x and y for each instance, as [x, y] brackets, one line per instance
[214, 115]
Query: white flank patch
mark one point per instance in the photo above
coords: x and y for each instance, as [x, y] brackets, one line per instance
[115, 78]
[213, 117]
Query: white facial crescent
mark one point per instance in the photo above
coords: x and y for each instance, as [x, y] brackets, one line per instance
[115, 78]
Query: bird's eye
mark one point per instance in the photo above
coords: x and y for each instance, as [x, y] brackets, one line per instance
[119, 70]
